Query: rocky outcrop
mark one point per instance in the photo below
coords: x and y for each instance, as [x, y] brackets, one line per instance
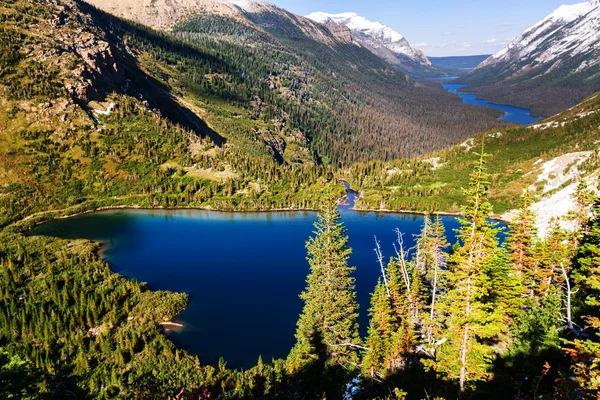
[340, 31]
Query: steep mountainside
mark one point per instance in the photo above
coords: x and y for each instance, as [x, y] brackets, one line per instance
[382, 41]
[352, 104]
[550, 67]
[548, 159]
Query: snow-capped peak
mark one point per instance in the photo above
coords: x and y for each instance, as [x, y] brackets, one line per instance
[358, 23]
[557, 32]
[372, 34]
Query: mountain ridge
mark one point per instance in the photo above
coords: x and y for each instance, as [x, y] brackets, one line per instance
[551, 66]
[382, 34]
[384, 42]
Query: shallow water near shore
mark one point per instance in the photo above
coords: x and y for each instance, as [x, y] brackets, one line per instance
[243, 271]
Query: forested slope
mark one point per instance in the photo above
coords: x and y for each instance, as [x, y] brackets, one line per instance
[548, 159]
[316, 77]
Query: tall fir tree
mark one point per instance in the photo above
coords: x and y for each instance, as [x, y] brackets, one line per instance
[585, 351]
[376, 360]
[522, 246]
[328, 325]
[471, 317]
[403, 286]
[583, 200]
[430, 260]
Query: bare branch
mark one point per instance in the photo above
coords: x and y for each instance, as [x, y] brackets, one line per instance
[349, 345]
[380, 259]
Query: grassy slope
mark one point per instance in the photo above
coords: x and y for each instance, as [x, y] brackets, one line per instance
[514, 153]
[58, 152]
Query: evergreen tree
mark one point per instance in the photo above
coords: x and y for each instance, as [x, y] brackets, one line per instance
[375, 363]
[471, 317]
[584, 199]
[521, 244]
[328, 325]
[431, 265]
[585, 352]
[403, 285]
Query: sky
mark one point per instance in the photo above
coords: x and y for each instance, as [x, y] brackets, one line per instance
[443, 27]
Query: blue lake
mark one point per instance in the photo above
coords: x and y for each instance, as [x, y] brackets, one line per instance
[511, 113]
[243, 271]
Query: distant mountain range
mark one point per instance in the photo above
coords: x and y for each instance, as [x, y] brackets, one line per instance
[381, 40]
[551, 66]
[349, 28]
[459, 63]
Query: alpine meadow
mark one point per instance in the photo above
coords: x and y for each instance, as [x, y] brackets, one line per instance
[225, 199]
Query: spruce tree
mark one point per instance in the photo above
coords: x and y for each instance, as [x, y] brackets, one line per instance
[375, 363]
[403, 285]
[521, 244]
[585, 352]
[328, 325]
[431, 264]
[470, 316]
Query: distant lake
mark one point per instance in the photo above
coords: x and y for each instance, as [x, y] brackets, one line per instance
[243, 271]
[513, 114]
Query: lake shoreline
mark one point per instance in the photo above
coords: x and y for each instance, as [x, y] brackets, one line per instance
[499, 104]
[146, 263]
[512, 114]
[275, 210]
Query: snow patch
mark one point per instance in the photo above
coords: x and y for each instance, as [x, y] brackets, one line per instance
[569, 31]
[381, 35]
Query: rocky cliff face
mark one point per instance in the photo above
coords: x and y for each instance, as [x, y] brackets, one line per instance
[340, 31]
[167, 14]
[79, 52]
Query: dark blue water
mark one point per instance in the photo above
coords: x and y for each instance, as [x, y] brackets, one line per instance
[243, 271]
[511, 113]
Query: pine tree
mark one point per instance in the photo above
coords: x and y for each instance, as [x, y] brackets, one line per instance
[431, 264]
[585, 353]
[403, 286]
[328, 325]
[375, 362]
[470, 316]
[584, 199]
[521, 244]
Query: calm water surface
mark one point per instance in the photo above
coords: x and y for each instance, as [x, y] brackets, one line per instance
[511, 113]
[243, 271]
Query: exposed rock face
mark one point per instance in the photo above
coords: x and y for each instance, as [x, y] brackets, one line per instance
[82, 56]
[340, 31]
[166, 14]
